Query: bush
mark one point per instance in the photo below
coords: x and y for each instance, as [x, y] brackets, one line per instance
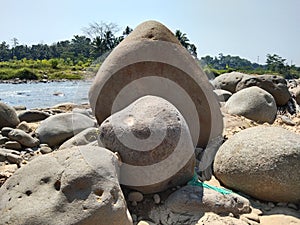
[25, 74]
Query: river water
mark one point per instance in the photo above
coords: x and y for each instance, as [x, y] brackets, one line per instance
[42, 95]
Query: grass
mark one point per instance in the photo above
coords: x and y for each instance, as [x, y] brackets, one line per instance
[52, 69]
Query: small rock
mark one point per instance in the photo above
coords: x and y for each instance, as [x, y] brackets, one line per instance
[33, 116]
[45, 150]
[142, 222]
[156, 198]
[271, 204]
[24, 126]
[135, 196]
[3, 140]
[281, 204]
[6, 130]
[292, 206]
[134, 203]
[196, 199]
[134, 217]
[19, 107]
[23, 138]
[256, 211]
[13, 145]
[287, 121]
[251, 216]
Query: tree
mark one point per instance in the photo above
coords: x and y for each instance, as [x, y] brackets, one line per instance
[127, 31]
[185, 42]
[275, 63]
[182, 38]
[5, 54]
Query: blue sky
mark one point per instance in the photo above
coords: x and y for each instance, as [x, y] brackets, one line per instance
[247, 28]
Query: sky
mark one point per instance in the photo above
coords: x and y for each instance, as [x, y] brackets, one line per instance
[250, 29]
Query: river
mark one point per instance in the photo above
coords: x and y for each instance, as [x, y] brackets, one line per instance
[42, 95]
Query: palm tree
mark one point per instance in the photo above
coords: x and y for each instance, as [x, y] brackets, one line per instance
[182, 38]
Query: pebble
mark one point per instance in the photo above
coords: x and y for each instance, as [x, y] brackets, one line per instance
[24, 126]
[156, 198]
[251, 216]
[257, 211]
[271, 204]
[12, 158]
[135, 196]
[282, 204]
[134, 203]
[45, 150]
[292, 206]
[134, 217]
[288, 121]
[3, 140]
[6, 130]
[13, 145]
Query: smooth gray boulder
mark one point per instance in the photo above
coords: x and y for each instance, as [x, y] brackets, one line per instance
[196, 199]
[33, 116]
[276, 86]
[23, 138]
[262, 162]
[253, 103]
[58, 128]
[154, 144]
[8, 116]
[229, 81]
[74, 186]
[83, 138]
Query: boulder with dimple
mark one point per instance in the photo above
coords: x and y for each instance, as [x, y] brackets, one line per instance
[276, 86]
[8, 116]
[229, 81]
[253, 103]
[262, 162]
[74, 186]
[58, 128]
[151, 61]
[154, 144]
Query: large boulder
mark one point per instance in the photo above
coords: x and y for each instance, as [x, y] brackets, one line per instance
[253, 103]
[262, 162]
[154, 143]
[58, 128]
[75, 186]
[276, 86]
[229, 81]
[151, 61]
[8, 116]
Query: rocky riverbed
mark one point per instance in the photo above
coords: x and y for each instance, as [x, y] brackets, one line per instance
[144, 208]
[156, 152]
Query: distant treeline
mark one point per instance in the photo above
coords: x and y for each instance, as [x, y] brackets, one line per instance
[101, 38]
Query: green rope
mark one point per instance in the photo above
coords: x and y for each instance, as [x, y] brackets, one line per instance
[196, 182]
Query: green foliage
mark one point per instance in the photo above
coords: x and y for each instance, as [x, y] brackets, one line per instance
[25, 74]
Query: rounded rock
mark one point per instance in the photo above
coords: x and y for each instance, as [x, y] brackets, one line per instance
[262, 162]
[8, 116]
[253, 103]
